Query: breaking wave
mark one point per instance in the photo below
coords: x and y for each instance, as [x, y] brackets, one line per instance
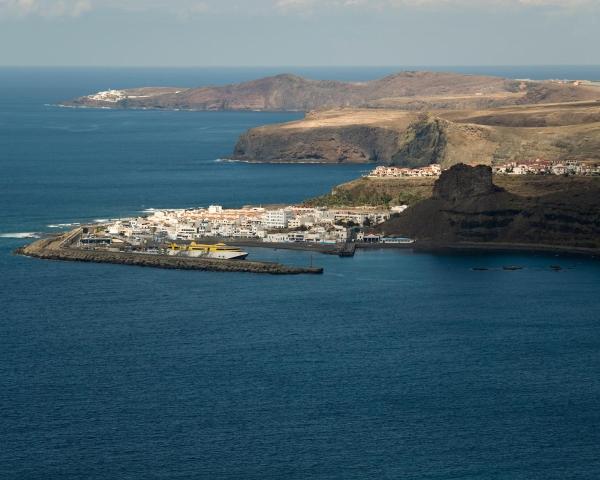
[63, 225]
[20, 235]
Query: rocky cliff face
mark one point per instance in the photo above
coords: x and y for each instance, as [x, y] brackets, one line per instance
[352, 144]
[467, 207]
[424, 142]
[463, 182]
[412, 139]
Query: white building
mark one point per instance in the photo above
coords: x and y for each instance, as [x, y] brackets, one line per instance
[398, 208]
[277, 218]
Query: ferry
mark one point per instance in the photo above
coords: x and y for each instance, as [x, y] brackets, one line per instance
[217, 250]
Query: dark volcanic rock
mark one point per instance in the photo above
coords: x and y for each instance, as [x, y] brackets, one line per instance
[467, 207]
[463, 182]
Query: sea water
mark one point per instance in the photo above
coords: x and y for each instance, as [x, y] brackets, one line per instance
[390, 365]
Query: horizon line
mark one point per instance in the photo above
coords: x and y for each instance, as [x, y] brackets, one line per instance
[531, 65]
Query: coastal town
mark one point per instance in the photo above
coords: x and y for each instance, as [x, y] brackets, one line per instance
[296, 224]
[433, 170]
[528, 167]
[546, 167]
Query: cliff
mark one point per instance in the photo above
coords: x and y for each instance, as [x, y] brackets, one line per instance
[409, 190]
[394, 137]
[466, 206]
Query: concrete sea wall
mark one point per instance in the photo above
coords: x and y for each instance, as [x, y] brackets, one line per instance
[58, 249]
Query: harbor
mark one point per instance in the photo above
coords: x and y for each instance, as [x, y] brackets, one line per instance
[67, 247]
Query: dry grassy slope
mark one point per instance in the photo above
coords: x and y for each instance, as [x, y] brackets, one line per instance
[290, 92]
[404, 90]
[555, 132]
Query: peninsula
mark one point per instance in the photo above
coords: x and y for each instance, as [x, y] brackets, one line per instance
[407, 90]
[409, 138]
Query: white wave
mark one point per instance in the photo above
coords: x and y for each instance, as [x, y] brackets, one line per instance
[101, 220]
[20, 235]
[63, 225]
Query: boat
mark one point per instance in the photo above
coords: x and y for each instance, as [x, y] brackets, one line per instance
[218, 250]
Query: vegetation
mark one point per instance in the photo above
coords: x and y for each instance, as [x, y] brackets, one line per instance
[376, 192]
[408, 191]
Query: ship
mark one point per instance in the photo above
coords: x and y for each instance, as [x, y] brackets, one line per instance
[218, 250]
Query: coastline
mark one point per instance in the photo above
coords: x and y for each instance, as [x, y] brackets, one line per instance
[433, 248]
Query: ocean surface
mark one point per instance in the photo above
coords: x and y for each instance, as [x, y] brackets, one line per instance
[390, 365]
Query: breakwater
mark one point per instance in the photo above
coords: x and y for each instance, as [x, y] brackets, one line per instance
[59, 248]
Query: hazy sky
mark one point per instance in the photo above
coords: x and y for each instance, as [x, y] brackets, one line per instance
[299, 32]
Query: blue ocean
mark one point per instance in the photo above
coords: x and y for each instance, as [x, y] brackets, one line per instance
[391, 365]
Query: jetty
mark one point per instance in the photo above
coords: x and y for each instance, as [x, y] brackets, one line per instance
[64, 247]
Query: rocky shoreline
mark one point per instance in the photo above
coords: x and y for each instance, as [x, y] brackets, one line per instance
[58, 248]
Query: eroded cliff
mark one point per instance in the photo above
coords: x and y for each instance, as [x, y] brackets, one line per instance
[467, 206]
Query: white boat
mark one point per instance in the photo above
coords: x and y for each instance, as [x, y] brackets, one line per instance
[217, 250]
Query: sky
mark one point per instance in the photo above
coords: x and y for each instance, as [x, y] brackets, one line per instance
[298, 32]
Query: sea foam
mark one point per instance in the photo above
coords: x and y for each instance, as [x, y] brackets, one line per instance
[20, 235]
[63, 225]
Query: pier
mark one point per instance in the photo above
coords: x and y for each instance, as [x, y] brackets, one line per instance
[62, 248]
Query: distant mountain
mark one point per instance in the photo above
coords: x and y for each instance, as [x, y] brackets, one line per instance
[404, 90]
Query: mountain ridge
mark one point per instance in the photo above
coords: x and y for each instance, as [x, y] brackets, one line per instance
[408, 90]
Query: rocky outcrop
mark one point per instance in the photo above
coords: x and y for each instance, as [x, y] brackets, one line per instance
[422, 143]
[463, 182]
[467, 207]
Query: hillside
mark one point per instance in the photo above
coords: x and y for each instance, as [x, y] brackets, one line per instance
[467, 206]
[409, 191]
[404, 90]
[564, 131]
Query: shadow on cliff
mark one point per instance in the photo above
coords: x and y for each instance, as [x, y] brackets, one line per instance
[467, 206]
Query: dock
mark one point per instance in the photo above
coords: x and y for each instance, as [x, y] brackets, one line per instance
[347, 249]
[63, 247]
